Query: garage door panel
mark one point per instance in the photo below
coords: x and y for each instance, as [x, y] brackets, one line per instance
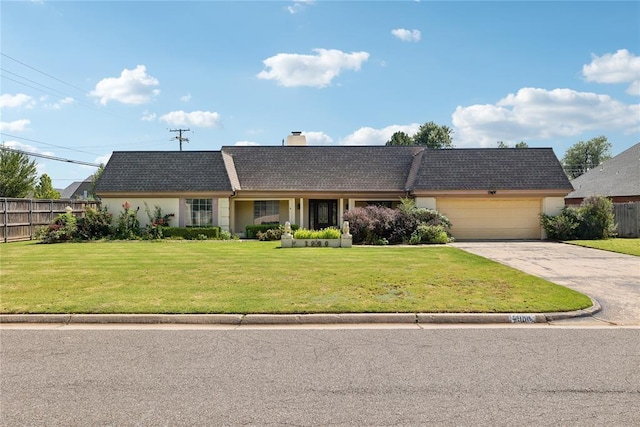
[492, 218]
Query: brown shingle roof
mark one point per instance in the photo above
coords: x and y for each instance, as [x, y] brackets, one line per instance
[316, 168]
[490, 169]
[164, 171]
[334, 168]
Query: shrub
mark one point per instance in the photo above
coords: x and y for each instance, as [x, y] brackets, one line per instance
[127, 225]
[372, 224]
[598, 221]
[563, 226]
[191, 233]
[426, 233]
[157, 221]
[593, 219]
[251, 231]
[62, 229]
[377, 225]
[325, 233]
[96, 224]
[270, 234]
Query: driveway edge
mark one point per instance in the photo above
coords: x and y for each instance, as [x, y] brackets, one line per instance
[300, 319]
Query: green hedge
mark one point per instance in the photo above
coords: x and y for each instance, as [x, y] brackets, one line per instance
[191, 233]
[252, 230]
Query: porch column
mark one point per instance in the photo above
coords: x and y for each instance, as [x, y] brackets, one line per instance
[301, 212]
[340, 210]
[292, 211]
[352, 203]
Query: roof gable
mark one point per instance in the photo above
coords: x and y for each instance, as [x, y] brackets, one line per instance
[164, 171]
[618, 176]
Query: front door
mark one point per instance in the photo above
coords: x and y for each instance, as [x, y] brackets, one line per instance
[323, 214]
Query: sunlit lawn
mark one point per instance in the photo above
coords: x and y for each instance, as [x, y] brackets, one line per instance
[259, 277]
[623, 246]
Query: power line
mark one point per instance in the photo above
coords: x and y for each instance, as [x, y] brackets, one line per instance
[44, 156]
[45, 143]
[43, 73]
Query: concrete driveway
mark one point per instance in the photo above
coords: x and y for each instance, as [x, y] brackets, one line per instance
[612, 279]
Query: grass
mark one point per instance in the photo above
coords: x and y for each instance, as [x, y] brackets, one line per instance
[260, 277]
[623, 246]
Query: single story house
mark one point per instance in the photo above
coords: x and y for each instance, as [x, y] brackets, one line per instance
[487, 193]
[618, 179]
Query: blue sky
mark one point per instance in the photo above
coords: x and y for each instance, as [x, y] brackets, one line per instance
[81, 79]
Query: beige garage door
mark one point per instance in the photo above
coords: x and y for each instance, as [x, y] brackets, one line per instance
[492, 219]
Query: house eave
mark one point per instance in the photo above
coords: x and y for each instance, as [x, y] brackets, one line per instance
[496, 192]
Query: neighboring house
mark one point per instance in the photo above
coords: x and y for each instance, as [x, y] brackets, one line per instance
[618, 179]
[78, 190]
[486, 193]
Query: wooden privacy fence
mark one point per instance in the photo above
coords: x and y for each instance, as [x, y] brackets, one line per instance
[20, 218]
[627, 216]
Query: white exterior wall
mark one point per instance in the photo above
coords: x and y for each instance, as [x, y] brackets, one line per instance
[224, 214]
[168, 206]
[426, 202]
[552, 205]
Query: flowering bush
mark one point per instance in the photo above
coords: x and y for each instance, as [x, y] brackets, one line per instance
[127, 225]
[62, 229]
[157, 221]
[96, 224]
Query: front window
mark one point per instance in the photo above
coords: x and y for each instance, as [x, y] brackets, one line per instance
[266, 212]
[199, 213]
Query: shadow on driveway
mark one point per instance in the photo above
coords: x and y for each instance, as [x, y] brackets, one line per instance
[612, 279]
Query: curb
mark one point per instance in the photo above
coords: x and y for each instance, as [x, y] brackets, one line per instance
[301, 319]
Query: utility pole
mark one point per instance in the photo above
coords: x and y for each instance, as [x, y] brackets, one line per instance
[179, 137]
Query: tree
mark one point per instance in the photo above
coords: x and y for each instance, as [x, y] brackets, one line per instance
[44, 189]
[583, 156]
[17, 174]
[432, 135]
[521, 144]
[400, 138]
[94, 180]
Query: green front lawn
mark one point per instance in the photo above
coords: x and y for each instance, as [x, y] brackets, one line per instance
[623, 246]
[260, 277]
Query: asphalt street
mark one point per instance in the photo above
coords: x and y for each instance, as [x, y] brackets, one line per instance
[199, 375]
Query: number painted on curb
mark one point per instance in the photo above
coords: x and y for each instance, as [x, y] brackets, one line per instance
[522, 318]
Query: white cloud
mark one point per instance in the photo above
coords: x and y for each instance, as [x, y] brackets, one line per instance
[406, 35]
[58, 105]
[15, 126]
[298, 6]
[291, 70]
[371, 136]
[541, 114]
[16, 101]
[132, 87]
[148, 117]
[186, 98]
[318, 138]
[246, 144]
[205, 119]
[20, 146]
[619, 67]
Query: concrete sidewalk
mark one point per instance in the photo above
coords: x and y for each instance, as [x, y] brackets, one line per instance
[610, 278]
